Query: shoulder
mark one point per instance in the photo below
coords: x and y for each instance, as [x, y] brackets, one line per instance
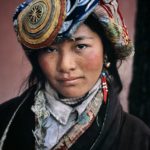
[135, 123]
[12, 104]
[134, 133]
[9, 105]
[8, 108]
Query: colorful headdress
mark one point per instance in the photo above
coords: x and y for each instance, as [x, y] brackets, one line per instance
[38, 22]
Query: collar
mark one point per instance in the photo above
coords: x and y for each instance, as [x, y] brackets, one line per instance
[60, 111]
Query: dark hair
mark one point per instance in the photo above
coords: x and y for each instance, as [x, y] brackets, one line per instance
[37, 75]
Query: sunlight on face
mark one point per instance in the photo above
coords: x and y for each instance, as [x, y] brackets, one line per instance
[72, 67]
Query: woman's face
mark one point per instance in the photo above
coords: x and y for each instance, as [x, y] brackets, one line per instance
[72, 67]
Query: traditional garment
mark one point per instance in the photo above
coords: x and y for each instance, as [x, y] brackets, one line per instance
[102, 124]
[112, 129]
[55, 118]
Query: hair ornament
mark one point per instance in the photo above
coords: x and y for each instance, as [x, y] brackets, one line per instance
[40, 21]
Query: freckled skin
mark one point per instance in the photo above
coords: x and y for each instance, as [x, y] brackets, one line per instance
[75, 66]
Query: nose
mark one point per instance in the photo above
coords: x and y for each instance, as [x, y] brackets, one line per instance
[67, 62]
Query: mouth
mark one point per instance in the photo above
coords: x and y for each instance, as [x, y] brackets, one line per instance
[71, 81]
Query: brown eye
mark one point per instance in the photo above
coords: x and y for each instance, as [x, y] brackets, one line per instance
[50, 50]
[81, 46]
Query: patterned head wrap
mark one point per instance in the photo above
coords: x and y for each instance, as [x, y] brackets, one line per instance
[39, 22]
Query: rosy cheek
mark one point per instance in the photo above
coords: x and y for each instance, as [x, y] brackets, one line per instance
[93, 61]
[45, 64]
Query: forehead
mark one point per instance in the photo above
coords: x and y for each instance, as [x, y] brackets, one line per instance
[82, 33]
[84, 30]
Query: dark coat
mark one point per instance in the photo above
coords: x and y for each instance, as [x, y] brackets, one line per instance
[113, 129]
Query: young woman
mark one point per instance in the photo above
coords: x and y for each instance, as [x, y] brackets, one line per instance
[72, 99]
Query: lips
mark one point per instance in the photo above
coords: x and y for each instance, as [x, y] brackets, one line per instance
[70, 80]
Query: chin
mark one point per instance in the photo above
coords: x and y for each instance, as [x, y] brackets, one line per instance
[73, 94]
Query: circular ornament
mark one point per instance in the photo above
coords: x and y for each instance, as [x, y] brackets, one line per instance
[40, 22]
[35, 14]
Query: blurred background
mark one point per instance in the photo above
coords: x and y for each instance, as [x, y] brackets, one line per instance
[14, 67]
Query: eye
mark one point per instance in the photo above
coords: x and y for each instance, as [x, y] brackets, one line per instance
[50, 49]
[81, 46]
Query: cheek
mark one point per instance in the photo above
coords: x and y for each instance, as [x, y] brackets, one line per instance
[46, 65]
[93, 61]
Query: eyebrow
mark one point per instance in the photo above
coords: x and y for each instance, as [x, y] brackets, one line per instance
[71, 38]
[80, 38]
